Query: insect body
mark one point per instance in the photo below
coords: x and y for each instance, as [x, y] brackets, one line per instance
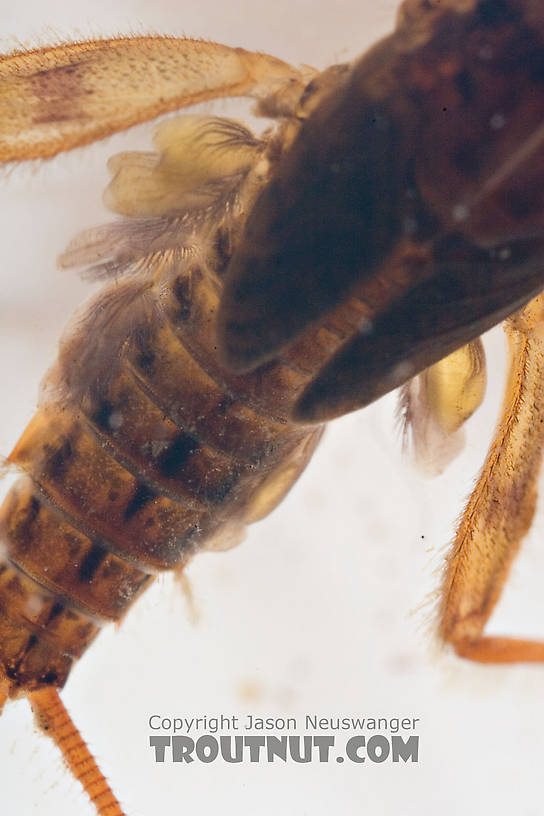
[156, 449]
[353, 259]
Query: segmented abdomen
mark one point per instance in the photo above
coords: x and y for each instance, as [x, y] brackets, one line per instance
[145, 448]
[159, 453]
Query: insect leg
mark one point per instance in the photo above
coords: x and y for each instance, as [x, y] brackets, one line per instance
[501, 507]
[62, 97]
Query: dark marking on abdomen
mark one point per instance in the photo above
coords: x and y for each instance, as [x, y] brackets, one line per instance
[56, 461]
[102, 416]
[91, 562]
[23, 528]
[175, 456]
[56, 610]
[142, 495]
[32, 640]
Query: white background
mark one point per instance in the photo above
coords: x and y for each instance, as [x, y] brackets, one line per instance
[326, 607]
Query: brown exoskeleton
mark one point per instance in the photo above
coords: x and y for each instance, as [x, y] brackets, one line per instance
[433, 237]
